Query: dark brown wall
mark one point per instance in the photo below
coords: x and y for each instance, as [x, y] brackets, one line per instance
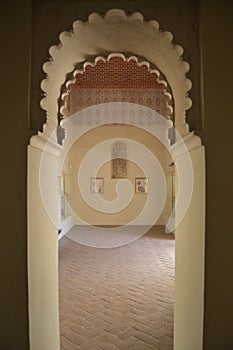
[217, 34]
[14, 68]
[216, 24]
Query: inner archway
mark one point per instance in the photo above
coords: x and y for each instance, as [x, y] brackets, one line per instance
[117, 80]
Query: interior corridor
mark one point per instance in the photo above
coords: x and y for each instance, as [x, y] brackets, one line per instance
[118, 298]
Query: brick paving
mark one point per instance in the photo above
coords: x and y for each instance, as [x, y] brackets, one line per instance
[118, 298]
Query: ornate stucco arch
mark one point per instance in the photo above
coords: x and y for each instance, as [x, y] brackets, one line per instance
[116, 32]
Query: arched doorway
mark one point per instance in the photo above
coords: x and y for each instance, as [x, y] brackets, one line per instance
[154, 46]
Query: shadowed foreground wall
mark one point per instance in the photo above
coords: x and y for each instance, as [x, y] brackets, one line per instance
[217, 33]
[14, 67]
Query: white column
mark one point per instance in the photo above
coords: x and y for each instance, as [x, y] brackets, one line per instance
[189, 262]
[42, 253]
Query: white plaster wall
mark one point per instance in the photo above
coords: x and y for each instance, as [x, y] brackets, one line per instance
[135, 151]
[66, 225]
[167, 211]
[42, 257]
[189, 262]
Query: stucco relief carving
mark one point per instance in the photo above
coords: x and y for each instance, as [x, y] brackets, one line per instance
[116, 79]
[119, 160]
[116, 32]
[127, 114]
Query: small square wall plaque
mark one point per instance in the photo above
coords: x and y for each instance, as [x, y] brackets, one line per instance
[97, 185]
[141, 185]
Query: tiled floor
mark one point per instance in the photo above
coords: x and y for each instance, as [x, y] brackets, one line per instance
[119, 298]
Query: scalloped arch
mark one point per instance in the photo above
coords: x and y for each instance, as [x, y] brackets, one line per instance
[151, 71]
[116, 32]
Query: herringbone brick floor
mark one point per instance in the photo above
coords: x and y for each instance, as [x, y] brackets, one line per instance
[119, 298]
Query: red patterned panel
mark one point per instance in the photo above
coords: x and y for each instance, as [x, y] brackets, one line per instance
[117, 74]
[117, 80]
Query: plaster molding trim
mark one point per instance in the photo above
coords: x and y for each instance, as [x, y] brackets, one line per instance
[42, 143]
[64, 110]
[191, 141]
[117, 32]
